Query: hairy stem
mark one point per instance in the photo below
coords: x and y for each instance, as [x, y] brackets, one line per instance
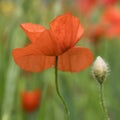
[102, 103]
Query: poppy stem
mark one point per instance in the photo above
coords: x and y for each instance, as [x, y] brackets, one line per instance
[102, 103]
[58, 91]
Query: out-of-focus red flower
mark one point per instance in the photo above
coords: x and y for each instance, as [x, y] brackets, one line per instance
[95, 33]
[65, 31]
[111, 21]
[108, 2]
[111, 16]
[85, 6]
[30, 100]
[113, 31]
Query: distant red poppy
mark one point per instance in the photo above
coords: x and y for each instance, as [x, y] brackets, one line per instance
[111, 21]
[111, 16]
[30, 100]
[65, 31]
[113, 31]
[85, 6]
[95, 33]
[108, 2]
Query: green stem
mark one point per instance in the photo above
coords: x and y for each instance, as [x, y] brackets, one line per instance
[102, 103]
[58, 91]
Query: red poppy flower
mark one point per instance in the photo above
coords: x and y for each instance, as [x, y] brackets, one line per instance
[86, 6]
[108, 2]
[111, 16]
[111, 21]
[113, 31]
[30, 100]
[65, 31]
[95, 32]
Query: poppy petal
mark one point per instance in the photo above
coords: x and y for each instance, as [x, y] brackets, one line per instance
[32, 30]
[76, 59]
[67, 30]
[47, 44]
[28, 59]
[59, 39]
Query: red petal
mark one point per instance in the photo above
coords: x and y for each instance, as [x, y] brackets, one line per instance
[67, 30]
[76, 59]
[28, 59]
[33, 31]
[47, 44]
[60, 37]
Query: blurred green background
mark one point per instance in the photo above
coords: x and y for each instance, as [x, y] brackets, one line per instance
[80, 90]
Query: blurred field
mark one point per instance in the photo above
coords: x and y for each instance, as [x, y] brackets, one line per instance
[80, 90]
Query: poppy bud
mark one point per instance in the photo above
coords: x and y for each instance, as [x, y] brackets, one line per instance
[30, 100]
[100, 69]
